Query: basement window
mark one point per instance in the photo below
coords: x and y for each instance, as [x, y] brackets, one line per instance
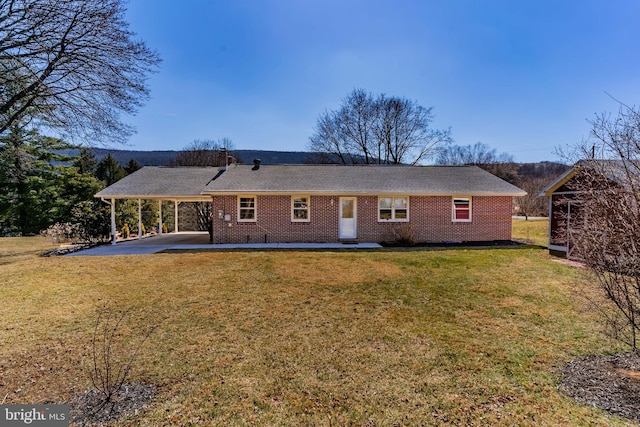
[461, 209]
[246, 209]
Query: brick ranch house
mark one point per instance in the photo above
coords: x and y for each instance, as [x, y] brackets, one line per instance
[334, 203]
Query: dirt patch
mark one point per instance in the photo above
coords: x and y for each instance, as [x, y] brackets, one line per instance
[88, 409]
[569, 262]
[609, 382]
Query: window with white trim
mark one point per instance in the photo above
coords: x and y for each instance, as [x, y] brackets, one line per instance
[461, 209]
[393, 209]
[300, 208]
[246, 208]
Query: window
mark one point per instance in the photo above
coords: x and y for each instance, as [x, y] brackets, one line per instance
[461, 209]
[300, 208]
[393, 209]
[246, 208]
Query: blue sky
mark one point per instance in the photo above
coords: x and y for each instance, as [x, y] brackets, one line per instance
[522, 76]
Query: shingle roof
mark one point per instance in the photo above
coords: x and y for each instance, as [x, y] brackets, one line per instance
[184, 182]
[617, 171]
[162, 182]
[360, 179]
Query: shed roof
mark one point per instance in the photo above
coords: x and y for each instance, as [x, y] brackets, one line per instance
[617, 171]
[558, 182]
[186, 182]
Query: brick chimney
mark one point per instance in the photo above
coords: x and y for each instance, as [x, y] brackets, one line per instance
[225, 158]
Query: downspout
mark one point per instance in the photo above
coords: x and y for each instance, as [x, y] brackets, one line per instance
[211, 225]
[112, 203]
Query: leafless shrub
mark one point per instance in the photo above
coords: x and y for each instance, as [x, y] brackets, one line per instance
[65, 232]
[113, 356]
[403, 234]
[605, 218]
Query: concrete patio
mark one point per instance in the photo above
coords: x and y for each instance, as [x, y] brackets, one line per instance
[200, 241]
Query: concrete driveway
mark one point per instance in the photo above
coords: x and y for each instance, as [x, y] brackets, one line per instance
[200, 241]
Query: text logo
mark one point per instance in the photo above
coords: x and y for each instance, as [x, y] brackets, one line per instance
[34, 415]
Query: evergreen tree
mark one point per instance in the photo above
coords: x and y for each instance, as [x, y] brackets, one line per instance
[109, 170]
[132, 166]
[30, 164]
[85, 162]
[39, 186]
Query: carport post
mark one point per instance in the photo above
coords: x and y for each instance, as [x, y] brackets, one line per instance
[175, 217]
[113, 221]
[159, 216]
[139, 219]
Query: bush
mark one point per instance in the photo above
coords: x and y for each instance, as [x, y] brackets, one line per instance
[64, 232]
[93, 219]
[403, 235]
[125, 231]
[164, 228]
[140, 231]
[113, 355]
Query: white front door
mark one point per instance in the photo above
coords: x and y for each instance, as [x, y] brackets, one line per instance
[348, 215]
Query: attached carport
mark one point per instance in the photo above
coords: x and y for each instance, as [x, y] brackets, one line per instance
[177, 185]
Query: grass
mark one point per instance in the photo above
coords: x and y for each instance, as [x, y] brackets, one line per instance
[308, 338]
[533, 231]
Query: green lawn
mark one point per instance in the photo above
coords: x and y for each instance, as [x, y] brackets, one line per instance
[461, 337]
[533, 231]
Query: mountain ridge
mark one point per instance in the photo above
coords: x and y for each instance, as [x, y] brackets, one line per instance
[272, 157]
[162, 157]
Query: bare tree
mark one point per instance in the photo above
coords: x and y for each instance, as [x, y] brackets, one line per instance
[72, 65]
[402, 131]
[476, 154]
[479, 154]
[382, 130]
[605, 229]
[205, 152]
[532, 204]
[347, 132]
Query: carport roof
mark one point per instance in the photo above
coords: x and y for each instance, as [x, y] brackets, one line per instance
[181, 183]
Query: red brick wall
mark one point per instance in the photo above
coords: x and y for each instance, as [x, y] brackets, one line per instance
[429, 221]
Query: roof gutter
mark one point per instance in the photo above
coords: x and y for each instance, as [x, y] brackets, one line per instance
[361, 193]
